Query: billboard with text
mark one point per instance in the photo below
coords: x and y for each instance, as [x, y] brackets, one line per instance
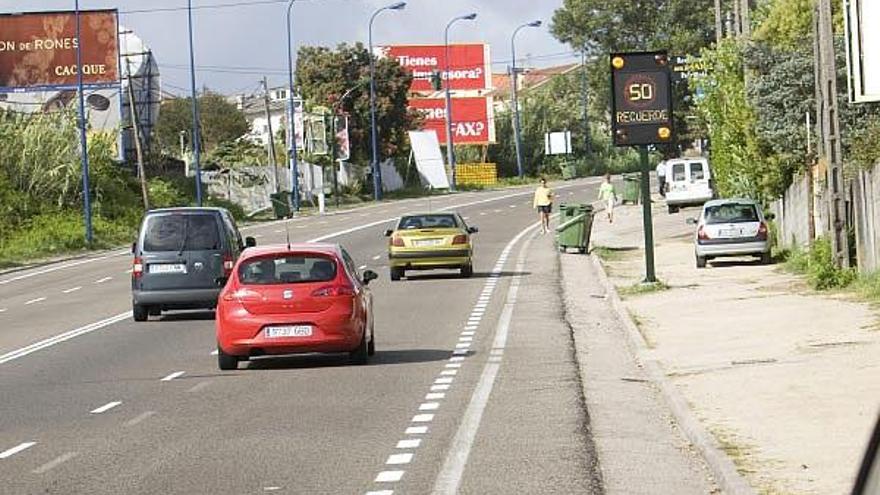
[38, 50]
[472, 118]
[469, 64]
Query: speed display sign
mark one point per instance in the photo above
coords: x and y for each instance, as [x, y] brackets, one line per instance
[641, 105]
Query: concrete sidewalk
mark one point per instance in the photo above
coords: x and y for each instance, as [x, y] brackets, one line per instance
[787, 380]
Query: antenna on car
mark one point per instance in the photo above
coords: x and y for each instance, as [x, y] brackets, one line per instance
[287, 232]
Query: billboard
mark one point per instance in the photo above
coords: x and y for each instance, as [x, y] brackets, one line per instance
[862, 49]
[469, 65]
[38, 50]
[473, 118]
[641, 100]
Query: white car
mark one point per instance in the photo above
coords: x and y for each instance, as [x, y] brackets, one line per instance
[688, 183]
[731, 227]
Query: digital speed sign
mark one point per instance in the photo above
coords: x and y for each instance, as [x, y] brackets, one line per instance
[641, 103]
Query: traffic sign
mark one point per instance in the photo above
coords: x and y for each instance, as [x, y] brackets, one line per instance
[641, 103]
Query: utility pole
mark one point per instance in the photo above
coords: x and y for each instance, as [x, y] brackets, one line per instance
[273, 162]
[588, 148]
[135, 126]
[828, 126]
[719, 30]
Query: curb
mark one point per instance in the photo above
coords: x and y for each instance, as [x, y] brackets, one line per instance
[725, 472]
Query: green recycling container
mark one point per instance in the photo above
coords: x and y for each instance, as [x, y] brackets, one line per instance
[569, 171]
[632, 188]
[281, 204]
[575, 226]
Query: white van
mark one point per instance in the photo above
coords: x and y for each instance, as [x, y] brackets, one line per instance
[688, 183]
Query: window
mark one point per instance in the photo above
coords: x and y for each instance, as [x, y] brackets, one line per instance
[287, 269]
[731, 213]
[678, 172]
[350, 265]
[697, 172]
[181, 232]
[416, 222]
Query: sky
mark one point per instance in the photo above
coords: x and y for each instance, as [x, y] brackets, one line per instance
[236, 46]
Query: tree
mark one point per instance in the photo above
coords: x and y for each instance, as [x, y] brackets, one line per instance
[221, 121]
[325, 75]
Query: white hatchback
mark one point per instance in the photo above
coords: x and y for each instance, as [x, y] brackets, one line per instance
[731, 227]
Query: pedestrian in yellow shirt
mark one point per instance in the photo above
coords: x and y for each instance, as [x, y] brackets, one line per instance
[544, 204]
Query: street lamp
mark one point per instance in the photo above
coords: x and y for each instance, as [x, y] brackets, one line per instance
[450, 144]
[83, 138]
[377, 172]
[513, 84]
[196, 139]
[291, 124]
[334, 142]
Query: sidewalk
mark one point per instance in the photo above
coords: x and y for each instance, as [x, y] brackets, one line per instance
[787, 380]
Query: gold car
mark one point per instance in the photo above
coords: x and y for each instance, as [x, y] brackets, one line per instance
[430, 241]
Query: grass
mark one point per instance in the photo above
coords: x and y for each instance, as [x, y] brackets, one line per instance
[611, 254]
[643, 288]
[640, 325]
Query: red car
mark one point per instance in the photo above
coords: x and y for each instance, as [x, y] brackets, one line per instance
[302, 298]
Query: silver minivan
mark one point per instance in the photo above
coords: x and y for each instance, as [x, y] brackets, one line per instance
[182, 258]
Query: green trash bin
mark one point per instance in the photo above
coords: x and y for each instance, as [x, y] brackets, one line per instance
[569, 171]
[632, 188]
[575, 227]
[281, 204]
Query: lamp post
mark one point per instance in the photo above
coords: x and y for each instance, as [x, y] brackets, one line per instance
[450, 134]
[196, 138]
[514, 100]
[374, 135]
[291, 124]
[83, 138]
[334, 142]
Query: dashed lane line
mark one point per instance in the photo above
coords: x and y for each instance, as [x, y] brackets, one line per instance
[35, 301]
[105, 279]
[172, 376]
[140, 418]
[55, 463]
[17, 449]
[410, 443]
[106, 407]
[398, 459]
[198, 386]
[389, 476]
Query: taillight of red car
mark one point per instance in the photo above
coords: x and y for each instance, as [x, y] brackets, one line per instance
[333, 291]
[460, 239]
[763, 232]
[137, 267]
[397, 241]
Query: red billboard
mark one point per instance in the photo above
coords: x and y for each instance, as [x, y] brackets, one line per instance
[469, 65]
[472, 118]
[38, 50]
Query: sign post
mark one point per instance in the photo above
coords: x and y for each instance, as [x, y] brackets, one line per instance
[641, 109]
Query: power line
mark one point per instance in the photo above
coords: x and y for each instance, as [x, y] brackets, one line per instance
[255, 3]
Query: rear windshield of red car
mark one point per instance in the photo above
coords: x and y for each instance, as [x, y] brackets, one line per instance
[287, 269]
[731, 213]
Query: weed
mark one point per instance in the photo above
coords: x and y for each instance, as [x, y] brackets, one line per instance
[643, 288]
[817, 264]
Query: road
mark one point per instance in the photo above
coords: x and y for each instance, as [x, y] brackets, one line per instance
[95, 403]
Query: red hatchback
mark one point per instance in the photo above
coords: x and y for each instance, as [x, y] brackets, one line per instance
[302, 298]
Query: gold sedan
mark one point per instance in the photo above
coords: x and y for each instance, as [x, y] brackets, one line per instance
[430, 241]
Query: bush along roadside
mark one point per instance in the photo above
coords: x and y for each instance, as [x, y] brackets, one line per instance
[817, 265]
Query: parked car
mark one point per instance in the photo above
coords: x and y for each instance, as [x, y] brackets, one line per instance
[731, 227]
[688, 183]
[293, 299]
[430, 241]
[181, 257]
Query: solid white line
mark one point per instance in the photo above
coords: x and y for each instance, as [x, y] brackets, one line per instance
[34, 301]
[449, 478]
[105, 279]
[140, 417]
[24, 351]
[412, 443]
[429, 406]
[416, 430]
[389, 476]
[172, 376]
[105, 407]
[61, 267]
[423, 418]
[397, 459]
[72, 289]
[55, 463]
[15, 450]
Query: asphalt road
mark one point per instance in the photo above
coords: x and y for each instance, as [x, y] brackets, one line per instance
[95, 403]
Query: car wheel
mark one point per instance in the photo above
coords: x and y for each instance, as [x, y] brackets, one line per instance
[467, 271]
[396, 274]
[766, 259]
[672, 209]
[226, 361]
[139, 312]
[155, 311]
[371, 347]
[701, 262]
[362, 353]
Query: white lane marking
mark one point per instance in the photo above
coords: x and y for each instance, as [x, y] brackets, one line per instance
[449, 372]
[3, 310]
[102, 280]
[34, 301]
[377, 257]
[55, 462]
[439, 388]
[258, 236]
[389, 476]
[24, 351]
[482, 213]
[453, 365]
[271, 488]
[449, 478]
[435, 396]
[381, 492]
[416, 430]
[72, 289]
[140, 417]
[397, 459]
[513, 206]
[106, 407]
[412, 443]
[362, 267]
[444, 381]
[278, 231]
[496, 352]
[460, 352]
[172, 376]
[15, 450]
[465, 218]
[429, 406]
[465, 338]
[463, 345]
[456, 359]
[302, 226]
[423, 418]
[198, 386]
[62, 267]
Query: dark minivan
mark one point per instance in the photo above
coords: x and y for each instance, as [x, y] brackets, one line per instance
[182, 258]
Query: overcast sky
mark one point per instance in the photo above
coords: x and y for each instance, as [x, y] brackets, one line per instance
[251, 39]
